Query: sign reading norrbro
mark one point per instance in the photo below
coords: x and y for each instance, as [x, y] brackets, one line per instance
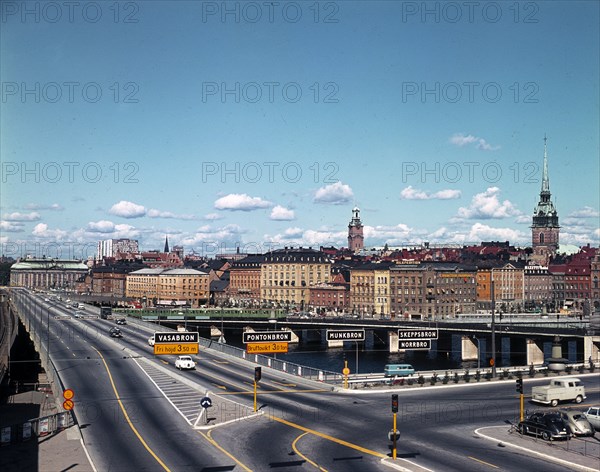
[267, 336]
[346, 335]
[176, 337]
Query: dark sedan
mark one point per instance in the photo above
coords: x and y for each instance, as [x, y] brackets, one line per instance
[548, 426]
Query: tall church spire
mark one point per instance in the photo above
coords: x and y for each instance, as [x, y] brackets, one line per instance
[166, 244]
[544, 229]
[545, 180]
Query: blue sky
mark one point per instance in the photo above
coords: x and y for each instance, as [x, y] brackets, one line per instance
[266, 125]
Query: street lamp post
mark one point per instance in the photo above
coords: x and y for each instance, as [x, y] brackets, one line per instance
[493, 330]
[478, 352]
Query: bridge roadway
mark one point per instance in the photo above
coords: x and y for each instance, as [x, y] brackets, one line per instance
[131, 420]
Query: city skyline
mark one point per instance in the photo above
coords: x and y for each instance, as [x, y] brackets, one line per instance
[235, 131]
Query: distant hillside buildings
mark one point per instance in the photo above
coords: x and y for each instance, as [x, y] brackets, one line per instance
[432, 281]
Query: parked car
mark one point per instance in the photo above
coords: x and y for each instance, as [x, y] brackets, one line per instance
[115, 333]
[121, 321]
[185, 362]
[547, 425]
[593, 416]
[578, 423]
[151, 341]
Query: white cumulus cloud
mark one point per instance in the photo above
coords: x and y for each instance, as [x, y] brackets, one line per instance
[335, 194]
[41, 230]
[33, 216]
[127, 209]
[461, 140]
[410, 193]
[486, 205]
[241, 202]
[10, 227]
[280, 213]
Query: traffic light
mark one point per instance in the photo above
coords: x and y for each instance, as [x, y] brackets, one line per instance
[394, 403]
[257, 374]
[519, 385]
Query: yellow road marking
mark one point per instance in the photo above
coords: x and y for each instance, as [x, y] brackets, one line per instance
[284, 384]
[303, 456]
[209, 438]
[220, 386]
[330, 438]
[274, 392]
[139, 436]
[164, 362]
[483, 462]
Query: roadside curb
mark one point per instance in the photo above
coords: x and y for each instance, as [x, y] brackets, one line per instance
[564, 462]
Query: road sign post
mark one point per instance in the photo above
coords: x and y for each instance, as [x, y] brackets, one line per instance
[68, 395]
[355, 335]
[394, 431]
[257, 377]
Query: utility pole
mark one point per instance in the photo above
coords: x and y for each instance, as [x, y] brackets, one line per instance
[493, 329]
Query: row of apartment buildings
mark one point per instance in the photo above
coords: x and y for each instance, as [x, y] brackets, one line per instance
[304, 278]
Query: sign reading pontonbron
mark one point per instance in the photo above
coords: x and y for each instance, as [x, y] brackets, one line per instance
[176, 343]
[259, 348]
[267, 337]
[415, 344]
[346, 335]
[420, 333]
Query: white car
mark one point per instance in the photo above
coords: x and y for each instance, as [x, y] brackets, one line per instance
[185, 362]
[151, 341]
[593, 416]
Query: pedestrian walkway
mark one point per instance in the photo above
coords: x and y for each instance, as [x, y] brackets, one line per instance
[62, 450]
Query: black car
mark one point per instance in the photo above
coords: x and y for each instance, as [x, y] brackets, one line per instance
[116, 333]
[121, 321]
[548, 426]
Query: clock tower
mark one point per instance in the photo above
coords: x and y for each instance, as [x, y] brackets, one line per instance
[355, 232]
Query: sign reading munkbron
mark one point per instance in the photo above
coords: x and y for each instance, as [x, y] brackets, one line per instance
[346, 335]
[267, 337]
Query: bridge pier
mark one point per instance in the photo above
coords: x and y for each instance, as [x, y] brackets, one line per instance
[393, 341]
[312, 335]
[534, 352]
[591, 348]
[469, 351]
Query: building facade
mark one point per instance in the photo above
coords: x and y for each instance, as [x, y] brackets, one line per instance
[47, 273]
[287, 274]
[113, 247]
[432, 290]
[169, 287]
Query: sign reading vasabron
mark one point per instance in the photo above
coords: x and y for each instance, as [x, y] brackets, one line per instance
[176, 343]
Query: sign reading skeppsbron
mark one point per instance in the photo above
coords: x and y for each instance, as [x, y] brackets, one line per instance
[267, 336]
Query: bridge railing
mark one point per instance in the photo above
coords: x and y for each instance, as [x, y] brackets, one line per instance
[310, 373]
[277, 364]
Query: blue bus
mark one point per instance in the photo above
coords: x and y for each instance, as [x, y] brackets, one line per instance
[399, 370]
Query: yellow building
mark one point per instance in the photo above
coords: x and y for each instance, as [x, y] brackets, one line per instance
[370, 288]
[286, 275]
[169, 287]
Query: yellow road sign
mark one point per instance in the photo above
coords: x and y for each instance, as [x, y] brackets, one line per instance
[175, 349]
[259, 348]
